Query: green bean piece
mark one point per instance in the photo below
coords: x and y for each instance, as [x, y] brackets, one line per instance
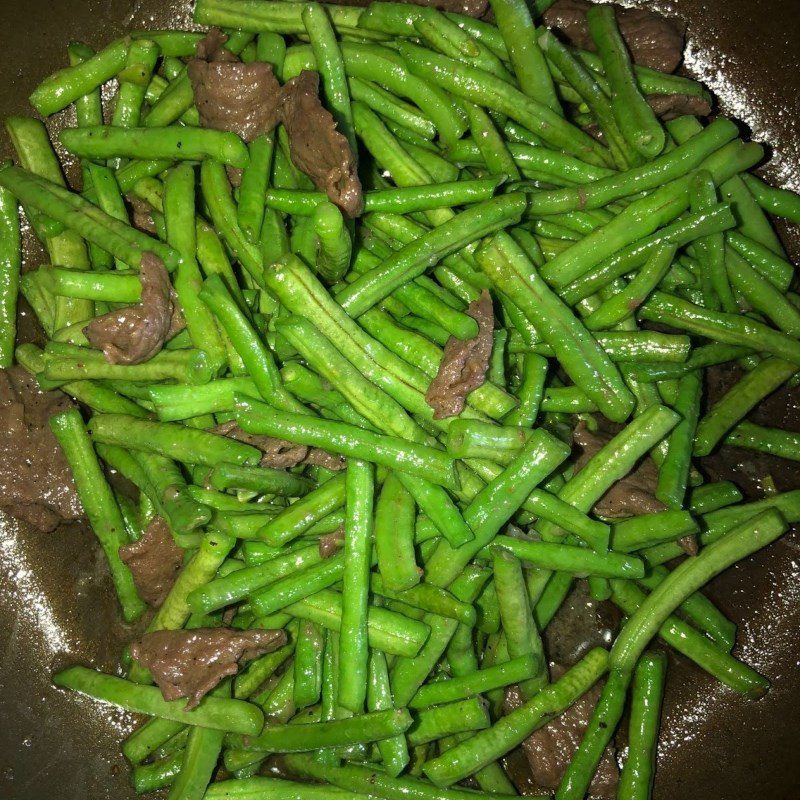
[732, 407]
[262, 480]
[10, 266]
[333, 255]
[522, 635]
[774, 441]
[645, 530]
[67, 85]
[636, 778]
[428, 598]
[391, 107]
[394, 751]
[394, 537]
[505, 263]
[338, 437]
[148, 738]
[432, 724]
[492, 147]
[485, 89]
[252, 190]
[509, 731]
[636, 119]
[775, 269]
[780, 202]
[218, 713]
[530, 392]
[158, 774]
[187, 445]
[133, 80]
[308, 665]
[99, 504]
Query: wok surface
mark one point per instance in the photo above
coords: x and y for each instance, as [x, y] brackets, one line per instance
[56, 602]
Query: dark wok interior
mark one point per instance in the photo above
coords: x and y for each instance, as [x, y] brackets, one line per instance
[56, 605]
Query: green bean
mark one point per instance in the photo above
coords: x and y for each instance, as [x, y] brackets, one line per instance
[753, 222]
[113, 287]
[148, 738]
[219, 713]
[514, 20]
[428, 598]
[487, 607]
[298, 518]
[394, 751]
[67, 85]
[739, 401]
[308, 665]
[636, 778]
[490, 143]
[522, 635]
[580, 355]
[258, 359]
[179, 216]
[109, 199]
[515, 670]
[390, 107]
[432, 724]
[623, 305]
[158, 774]
[187, 445]
[416, 459]
[509, 731]
[645, 530]
[566, 400]
[261, 669]
[123, 241]
[99, 504]
[780, 202]
[173, 143]
[133, 81]
[636, 119]
[774, 441]
[10, 266]
[713, 496]
[530, 392]
[333, 255]
[744, 539]
[229, 589]
[467, 438]
[485, 89]
[255, 178]
[176, 401]
[777, 270]
[720, 327]
[394, 537]
[261, 480]
[704, 356]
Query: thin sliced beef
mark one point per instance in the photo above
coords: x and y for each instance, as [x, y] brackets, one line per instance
[634, 494]
[154, 561]
[230, 95]
[190, 663]
[316, 147]
[278, 453]
[472, 8]
[35, 480]
[141, 215]
[136, 333]
[550, 749]
[671, 106]
[331, 543]
[654, 41]
[464, 363]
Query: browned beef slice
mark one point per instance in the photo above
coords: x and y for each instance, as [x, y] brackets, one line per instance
[154, 561]
[278, 453]
[236, 97]
[191, 663]
[330, 543]
[316, 147]
[464, 363]
[654, 41]
[35, 480]
[472, 8]
[550, 749]
[634, 494]
[670, 106]
[212, 47]
[142, 214]
[136, 333]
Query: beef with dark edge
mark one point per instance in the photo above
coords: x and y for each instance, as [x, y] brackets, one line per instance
[280, 454]
[472, 8]
[154, 561]
[464, 363]
[316, 147]
[671, 106]
[230, 95]
[191, 663]
[654, 41]
[136, 333]
[634, 494]
[331, 543]
[35, 480]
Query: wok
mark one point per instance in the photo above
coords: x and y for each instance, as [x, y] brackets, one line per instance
[56, 602]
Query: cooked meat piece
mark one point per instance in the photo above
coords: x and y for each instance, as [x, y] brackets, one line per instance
[689, 544]
[472, 8]
[136, 333]
[191, 663]
[670, 106]
[154, 561]
[212, 47]
[634, 494]
[551, 748]
[316, 147]
[330, 543]
[464, 363]
[142, 214]
[654, 41]
[35, 480]
[278, 453]
[232, 96]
